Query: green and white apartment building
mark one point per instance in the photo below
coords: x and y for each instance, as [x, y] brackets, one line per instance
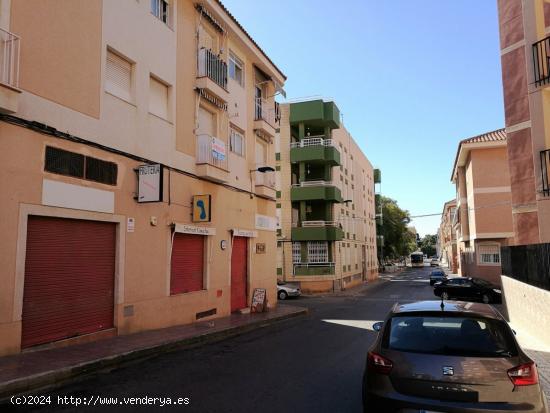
[325, 201]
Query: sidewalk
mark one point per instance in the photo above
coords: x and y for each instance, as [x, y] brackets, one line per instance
[48, 368]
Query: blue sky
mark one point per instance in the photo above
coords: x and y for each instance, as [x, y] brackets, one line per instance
[412, 78]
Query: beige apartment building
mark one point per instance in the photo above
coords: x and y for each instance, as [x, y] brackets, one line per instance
[132, 136]
[447, 237]
[483, 220]
[325, 201]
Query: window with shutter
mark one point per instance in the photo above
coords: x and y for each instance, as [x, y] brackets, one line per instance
[118, 76]
[158, 98]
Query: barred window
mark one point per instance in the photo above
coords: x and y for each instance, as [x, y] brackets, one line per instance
[489, 254]
[296, 253]
[317, 251]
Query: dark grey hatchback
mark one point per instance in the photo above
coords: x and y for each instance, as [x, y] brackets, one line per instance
[455, 357]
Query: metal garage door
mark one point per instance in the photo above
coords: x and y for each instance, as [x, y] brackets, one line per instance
[239, 256]
[187, 264]
[69, 279]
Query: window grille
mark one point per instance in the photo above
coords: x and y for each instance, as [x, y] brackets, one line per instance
[64, 162]
[317, 251]
[296, 253]
[489, 254]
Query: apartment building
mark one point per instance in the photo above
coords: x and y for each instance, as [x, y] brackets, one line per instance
[325, 201]
[483, 220]
[136, 167]
[447, 237]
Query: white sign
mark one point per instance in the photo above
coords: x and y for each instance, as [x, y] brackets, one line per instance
[191, 229]
[150, 183]
[130, 224]
[266, 223]
[244, 233]
[218, 149]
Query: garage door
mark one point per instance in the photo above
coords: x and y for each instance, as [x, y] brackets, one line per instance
[187, 264]
[69, 279]
[239, 271]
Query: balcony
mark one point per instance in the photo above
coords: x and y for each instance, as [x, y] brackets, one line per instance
[317, 231]
[315, 190]
[315, 149]
[264, 118]
[314, 268]
[264, 183]
[212, 74]
[9, 72]
[315, 113]
[545, 171]
[211, 158]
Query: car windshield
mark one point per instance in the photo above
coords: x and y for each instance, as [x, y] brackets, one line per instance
[456, 336]
[481, 282]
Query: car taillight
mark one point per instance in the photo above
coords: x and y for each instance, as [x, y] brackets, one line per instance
[378, 363]
[524, 374]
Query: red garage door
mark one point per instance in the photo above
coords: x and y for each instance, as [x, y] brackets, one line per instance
[69, 279]
[187, 264]
[239, 258]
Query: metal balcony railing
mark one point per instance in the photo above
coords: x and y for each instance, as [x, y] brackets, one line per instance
[545, 171]
[264, 112]
[320, 224]
[313, 183]
[211, 151]
[318, 140]
[212, 66]
[9, 59]
[541, 63]
[313, 265]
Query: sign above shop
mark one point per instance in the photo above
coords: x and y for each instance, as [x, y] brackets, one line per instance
[150, 183]
[244, 233]
[201, 208]
[191, 229]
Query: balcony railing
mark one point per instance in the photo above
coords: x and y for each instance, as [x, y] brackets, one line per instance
[264, 112]
[320, 224]
[304, 184]
[318, 140]
[313, 266]
[545, 171]
[212, 151]
[265, 178]
[9, 59]
[213, 67]
[541, 63]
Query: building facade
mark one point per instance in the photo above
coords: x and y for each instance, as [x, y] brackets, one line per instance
[483, 203]
[129, 162]
[325, 201]
[447, 237]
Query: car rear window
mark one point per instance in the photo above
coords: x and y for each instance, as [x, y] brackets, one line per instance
[456, 336]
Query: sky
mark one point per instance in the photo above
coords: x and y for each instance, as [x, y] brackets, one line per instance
[411, 78]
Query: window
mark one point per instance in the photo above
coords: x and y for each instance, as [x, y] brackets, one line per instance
[158, 98]
[161, 10]
[489, 254]
[118, 76]
[317, 251]
[296, 253]
[236, 69]
[236, 142]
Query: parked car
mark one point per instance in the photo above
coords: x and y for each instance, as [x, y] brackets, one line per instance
[449, 357]
[434, 262]
[469, 289]
[285, 290]
[437, 276]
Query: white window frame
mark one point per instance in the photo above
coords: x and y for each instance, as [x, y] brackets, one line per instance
[317, 252]
[233, 133]
[165, 15]
[489, 254]
[235, 61]
[296, 253]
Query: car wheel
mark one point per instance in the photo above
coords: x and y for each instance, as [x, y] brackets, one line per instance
[444, 295]
[282, 295]
[485, 298]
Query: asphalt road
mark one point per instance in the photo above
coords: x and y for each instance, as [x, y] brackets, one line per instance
[310, 364]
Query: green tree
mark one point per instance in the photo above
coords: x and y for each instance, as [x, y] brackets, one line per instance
[427, 244]
[398, 241]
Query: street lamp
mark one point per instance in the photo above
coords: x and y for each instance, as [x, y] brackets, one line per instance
[261, 169]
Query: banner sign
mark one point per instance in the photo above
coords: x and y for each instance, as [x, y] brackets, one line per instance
[218, 149]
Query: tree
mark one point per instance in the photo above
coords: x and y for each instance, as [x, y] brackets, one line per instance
[398, 241]
[427, 244]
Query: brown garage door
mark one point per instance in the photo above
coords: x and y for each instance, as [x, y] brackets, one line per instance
[239, 256]
[69, 279]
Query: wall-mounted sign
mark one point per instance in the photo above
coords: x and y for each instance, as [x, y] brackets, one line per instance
[237, 232]
[259, 300]
[218, 149]
[191, 229]
[266, 223]
[260, 248]
[150, 183]
[130, 224]
[201, 208]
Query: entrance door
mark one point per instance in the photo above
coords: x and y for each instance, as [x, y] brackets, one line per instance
[69, 279]
[239, 271]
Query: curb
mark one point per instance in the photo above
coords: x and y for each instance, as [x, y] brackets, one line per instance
[56, 378]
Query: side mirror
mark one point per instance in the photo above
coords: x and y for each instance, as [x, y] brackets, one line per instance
[377, 326]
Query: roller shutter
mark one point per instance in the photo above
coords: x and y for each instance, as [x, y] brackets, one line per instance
[187, 264]
[69, 279]
[239, 270]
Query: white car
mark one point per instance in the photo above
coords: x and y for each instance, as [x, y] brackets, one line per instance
[285, 290]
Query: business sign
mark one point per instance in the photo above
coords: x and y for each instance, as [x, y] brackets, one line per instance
[191, 229]
[237, 232]
[201, 208]
[266, 223]
[218, 149]
[259, 300]
[260, 248]
[149, 183]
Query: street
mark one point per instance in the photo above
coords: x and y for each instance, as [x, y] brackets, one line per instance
[313, 363]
